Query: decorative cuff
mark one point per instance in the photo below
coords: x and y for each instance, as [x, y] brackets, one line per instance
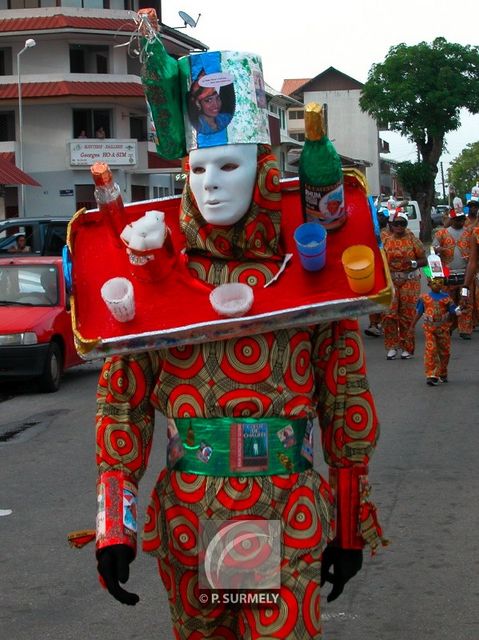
[356, 518]
[116, 521]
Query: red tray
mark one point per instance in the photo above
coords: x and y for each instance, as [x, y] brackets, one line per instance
[177, 310]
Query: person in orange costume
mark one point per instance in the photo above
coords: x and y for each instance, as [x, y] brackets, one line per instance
[452, 245]
[438, 310]
[469, 291]
[404, 253]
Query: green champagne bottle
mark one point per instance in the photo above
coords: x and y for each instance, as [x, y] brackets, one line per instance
[160, 77]
[320, 173]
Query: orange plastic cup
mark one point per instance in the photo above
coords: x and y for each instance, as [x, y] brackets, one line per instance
[358, 263]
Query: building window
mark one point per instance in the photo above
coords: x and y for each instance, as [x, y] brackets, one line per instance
[298, 136]
[282, 118]
[7, 126]
[296, 114]
[84, 4]
[5, 61]
[86, 122]
[88, 58]
[138, 128]
[29, 4]
[160, 192]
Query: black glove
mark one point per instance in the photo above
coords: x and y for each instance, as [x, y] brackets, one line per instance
[345, 563]
[113, 567]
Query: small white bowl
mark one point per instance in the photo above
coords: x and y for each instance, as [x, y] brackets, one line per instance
[232, 299]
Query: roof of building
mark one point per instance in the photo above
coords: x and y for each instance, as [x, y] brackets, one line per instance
[330, 79]
[60, 21]
[67, 88]
[180, 42]
[10, 174]
[291, 85]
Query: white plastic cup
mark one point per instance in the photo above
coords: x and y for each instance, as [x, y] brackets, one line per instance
[233, 299]
[119, 297]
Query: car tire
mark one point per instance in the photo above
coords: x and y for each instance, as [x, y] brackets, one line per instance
[53, 369]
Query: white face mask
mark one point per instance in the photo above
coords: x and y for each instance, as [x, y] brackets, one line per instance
[222, 180]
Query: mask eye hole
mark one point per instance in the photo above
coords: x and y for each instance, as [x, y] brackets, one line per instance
[229, 166]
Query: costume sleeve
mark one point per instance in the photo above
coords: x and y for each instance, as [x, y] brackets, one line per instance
[419, 250]
[451, 307]
[349, 430]
[124, 431]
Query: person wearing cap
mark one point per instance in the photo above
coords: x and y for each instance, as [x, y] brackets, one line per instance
[438, 310]
[452, 245]
[472, 211]
[405, 254]
[268, 387]
[469, 290]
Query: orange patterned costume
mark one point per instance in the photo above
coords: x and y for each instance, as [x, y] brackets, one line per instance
[444, 239]
[435, 309]
[292, 373]
[407, 285]
[473, 292]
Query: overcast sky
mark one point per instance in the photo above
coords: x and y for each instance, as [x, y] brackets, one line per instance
[302, 38]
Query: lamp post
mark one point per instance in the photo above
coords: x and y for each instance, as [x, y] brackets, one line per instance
[29, 43]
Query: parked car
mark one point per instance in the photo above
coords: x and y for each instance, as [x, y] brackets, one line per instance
[437, 217]
[36, 336]
[44, 236]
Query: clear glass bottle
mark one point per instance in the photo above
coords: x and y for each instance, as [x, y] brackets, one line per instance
[108, 198]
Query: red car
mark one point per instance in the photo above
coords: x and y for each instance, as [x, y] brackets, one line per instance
[36, 337]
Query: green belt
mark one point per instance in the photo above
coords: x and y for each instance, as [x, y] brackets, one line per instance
[240, 446]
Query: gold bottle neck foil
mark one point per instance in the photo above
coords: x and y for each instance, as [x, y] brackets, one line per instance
[314, 125]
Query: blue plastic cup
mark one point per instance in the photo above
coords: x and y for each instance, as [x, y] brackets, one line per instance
[310, 239]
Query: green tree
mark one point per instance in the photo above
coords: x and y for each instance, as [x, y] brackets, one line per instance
[419, 91]
[463, 171]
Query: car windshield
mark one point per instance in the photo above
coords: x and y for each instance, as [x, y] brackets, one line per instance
[29, 284]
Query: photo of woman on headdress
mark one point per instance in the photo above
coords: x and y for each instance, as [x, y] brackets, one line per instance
[210, 110]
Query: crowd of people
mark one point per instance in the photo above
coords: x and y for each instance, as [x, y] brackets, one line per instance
[452, 302]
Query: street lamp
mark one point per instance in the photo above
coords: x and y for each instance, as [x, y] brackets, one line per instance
[29, 43]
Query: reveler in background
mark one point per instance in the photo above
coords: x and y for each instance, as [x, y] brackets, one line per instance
[374, 329]
[469, 291]
[452, 245]
[438, 310]
[405, 254]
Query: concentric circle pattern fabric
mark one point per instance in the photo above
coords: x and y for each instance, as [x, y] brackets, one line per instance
[307, 372]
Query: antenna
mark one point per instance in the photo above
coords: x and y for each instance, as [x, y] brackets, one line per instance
[188, 20]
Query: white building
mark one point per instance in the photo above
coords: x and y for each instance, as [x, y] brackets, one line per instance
[76, 78]
[355, 134]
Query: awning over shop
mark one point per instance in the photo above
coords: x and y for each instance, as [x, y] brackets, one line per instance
[10, 174]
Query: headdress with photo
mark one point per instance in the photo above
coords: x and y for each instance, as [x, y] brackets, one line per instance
[204, 99]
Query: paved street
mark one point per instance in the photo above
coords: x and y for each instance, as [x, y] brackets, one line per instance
[424, 585]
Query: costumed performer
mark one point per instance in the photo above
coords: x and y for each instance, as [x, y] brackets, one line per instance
[273, 384]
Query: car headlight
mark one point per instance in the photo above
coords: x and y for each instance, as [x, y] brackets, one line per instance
[16, 339]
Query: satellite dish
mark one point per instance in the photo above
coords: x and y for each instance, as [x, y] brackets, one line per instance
[188, 20]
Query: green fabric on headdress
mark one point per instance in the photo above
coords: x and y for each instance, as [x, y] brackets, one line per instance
[160, 77]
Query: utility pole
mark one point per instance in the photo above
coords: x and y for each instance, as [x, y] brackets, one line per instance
[443, 185]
